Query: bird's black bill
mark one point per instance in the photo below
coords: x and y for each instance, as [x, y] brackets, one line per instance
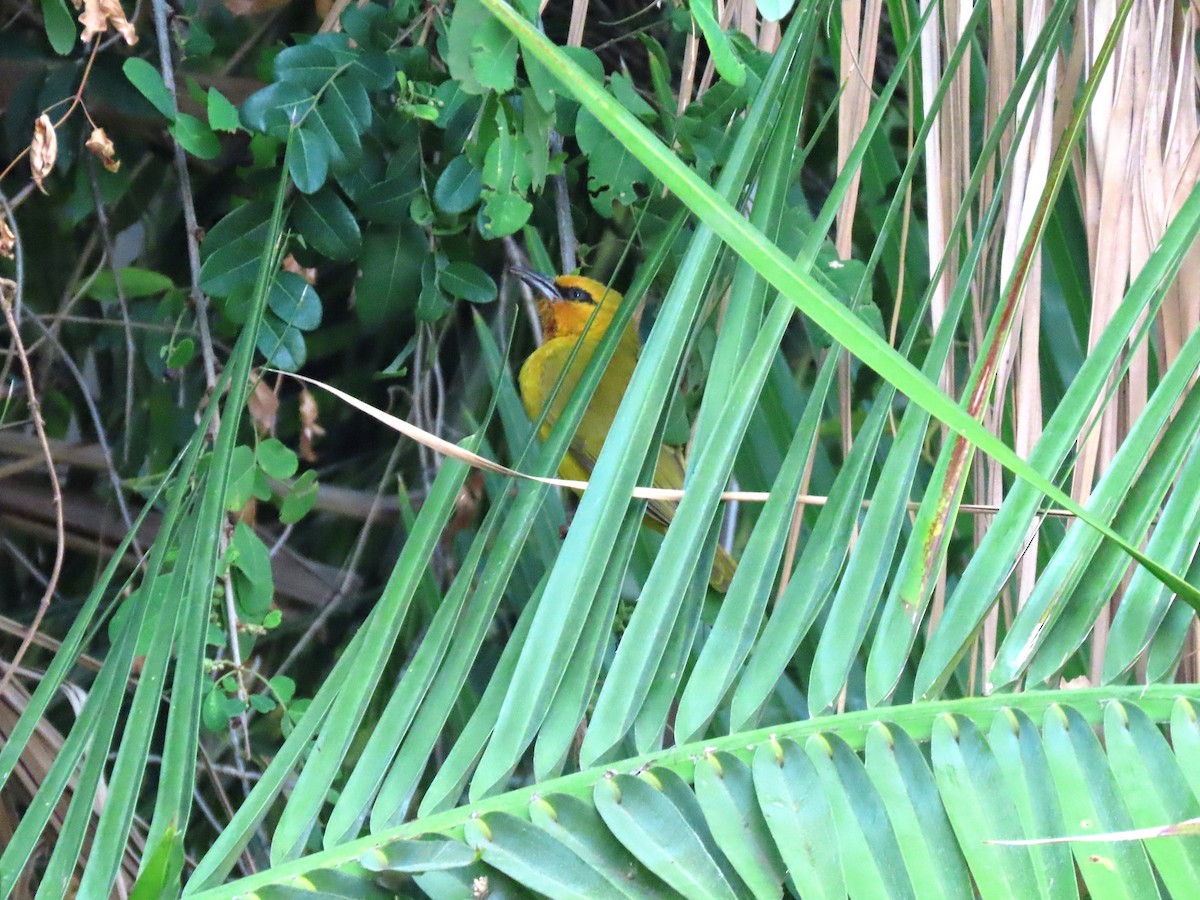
[542, 284]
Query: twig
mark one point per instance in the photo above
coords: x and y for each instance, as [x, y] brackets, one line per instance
[101, 322]
[562, 212]
[70, 300]
[75, 99]
[239, 56]
[35, 409]
[352, 564]
[191, 228]
[418, 406]
[97, 423]
[447, 448]
[516, 258]
[19, 266]
[130, 351]
[439, 383]
[245, 860]
[7, 624]
[15, 628]
[235, 649]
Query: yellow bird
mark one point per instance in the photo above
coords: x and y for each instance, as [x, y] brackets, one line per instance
[565, 304]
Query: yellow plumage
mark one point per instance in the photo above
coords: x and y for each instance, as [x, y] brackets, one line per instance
[565, 304]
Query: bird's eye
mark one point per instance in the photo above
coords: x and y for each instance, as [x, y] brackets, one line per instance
[579, 295]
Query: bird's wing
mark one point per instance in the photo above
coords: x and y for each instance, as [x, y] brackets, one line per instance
[538, 377]
[669, 474]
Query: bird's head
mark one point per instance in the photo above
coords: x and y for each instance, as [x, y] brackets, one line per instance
[566, 303]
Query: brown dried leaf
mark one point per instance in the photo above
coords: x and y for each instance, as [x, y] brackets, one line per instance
[102, 147]
[309, 274]
[263, 406]
[310, 429]
[8, 240]
[466, 505]
[43, 151]
[97, 15]
[252, 7]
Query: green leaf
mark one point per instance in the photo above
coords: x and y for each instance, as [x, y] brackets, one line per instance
[195, 137]
[774, 10]
[181, 354]
[458, 187]
[262, 703]
[587, 60]
[281, 344]
[295, 712]
[159, 877]
[723, 57]
[232, 250]
[147, 79]
[622, 87]
[308, 158]
[365, 24]
[284, 688]
[466, 281]
[613, 171]
[60, 27]
[311, 66]
[276, 108]
[222, 115]
[249, 557]
[494, 56]
[575, 822]
[535, 134]
[725, 790]
[797, 812]
[660, 836]
[432, 304]
[241, 478]
[1154, 789]
[300, 499]
[897, 768]
[504, 163]
[544, 86]
[387, 201]
[347, 100]
[215, 636]
[780, 270]
[373, 69]
[276, 458]
[529, 855]
[339, 135]
[980, 807]
[1092, 804]
[199, 42]
[660, 72]
[422, 855]
[135, 283]
[295, 301]
[326, 223]
[421, 211]
[504, 214]
[389, 274]
[481, 54]
[212, 710]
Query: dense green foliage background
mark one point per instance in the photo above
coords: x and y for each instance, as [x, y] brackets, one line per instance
[301, 651]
